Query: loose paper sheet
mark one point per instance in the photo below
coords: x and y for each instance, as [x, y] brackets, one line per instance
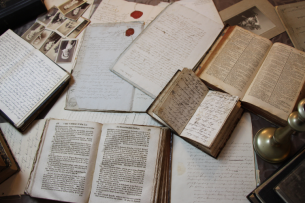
[24, 147]
[197, 177]
[122, 11]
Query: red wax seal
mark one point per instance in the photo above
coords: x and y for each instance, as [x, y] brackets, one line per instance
[136, 14]
[129, 32]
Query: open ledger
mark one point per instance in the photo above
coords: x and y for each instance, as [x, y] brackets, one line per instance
[268, 78]
[28, 78]
[197, 177]
[85, 161]
[177, 38]
[94, 87]
[202, 117]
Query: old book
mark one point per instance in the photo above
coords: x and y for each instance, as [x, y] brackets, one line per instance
[268, 79]
[202, 117]
[94, 87]
[292, 17]
[10, 166]
[289, 176]
[197, 177]
[85, 161]
[177, 38]
[29, 80]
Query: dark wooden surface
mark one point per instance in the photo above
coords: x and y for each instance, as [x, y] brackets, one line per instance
[265, 168]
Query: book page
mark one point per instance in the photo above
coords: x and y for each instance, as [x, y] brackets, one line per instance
[110, 11]
[205, 7]
[177, 38]
[197, 177]
[94, 86]
[65, 166]
[182, 101]
[292, 17]
[209, 118]
[126, 163]
[279, 81]
[235, 65]
[24, 147]
[27, 77]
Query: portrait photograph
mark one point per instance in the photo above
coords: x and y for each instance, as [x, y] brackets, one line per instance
[41, 38]
[79, 29]
[46, 18]
[66, 51]
[68, 26]
[53, 52]
[70, 5]
[33, 32]
[50, 42]
[58, 19]
[77, 12]
[253, 20]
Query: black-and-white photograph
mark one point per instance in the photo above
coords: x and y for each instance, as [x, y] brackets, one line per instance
[53, 52]
[46, 18]
[66, 51]
[77, 12]
[33, 32]
[253, 20]
[58, 19]
[68, 26]
[70, 5]
[41, 38]
[79, 29]
[50, 42]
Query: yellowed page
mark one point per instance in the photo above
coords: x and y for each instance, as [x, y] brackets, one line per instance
[279, 81]
[236, 64]
[178, 38]
[197, 177]
[65, 165]
[126, 163]
[24, 147]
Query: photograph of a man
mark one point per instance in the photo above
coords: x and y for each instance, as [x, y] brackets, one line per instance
[70, 5]
[50, 42]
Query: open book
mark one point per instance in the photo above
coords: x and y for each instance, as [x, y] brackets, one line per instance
[202, 117]
[81, 160]
[268, 78]
[29, 80]
[177, 38]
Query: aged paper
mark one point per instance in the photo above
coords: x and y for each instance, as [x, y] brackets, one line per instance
[182, 101]
[292, 16]
[277, 85]
[26, 78]
[209, 118]
[233, 67]
[94, 86]
[125, 167]
[24, 147]
[65, 164]
[177, 38]
[110, 11]
[197, 177]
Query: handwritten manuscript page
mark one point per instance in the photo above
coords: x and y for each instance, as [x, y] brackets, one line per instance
[197, 177]
[26, 78]
[209, 117]
[279, 81]
[234, 66]
[110, 11]
[24, 147]
[177, 38]
[95, 87]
